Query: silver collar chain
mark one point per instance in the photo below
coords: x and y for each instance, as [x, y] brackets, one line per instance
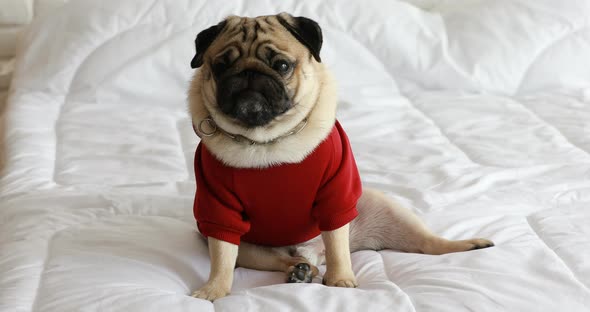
[210, 123]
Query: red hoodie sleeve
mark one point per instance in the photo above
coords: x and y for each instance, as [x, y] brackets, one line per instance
[335, 203]
[217, 209]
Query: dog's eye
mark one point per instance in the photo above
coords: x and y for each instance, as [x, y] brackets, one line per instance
[281, 66]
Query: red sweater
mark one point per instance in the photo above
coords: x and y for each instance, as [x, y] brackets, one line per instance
[282, 205]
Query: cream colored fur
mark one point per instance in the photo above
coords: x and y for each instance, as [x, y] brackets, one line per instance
[381, 224]
[338, 265]
[223, 260]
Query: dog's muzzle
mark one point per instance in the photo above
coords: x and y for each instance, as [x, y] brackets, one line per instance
[252, 98]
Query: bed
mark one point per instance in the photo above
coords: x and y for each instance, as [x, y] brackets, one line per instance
[474, 114]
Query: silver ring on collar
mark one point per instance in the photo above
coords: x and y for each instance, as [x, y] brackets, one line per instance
[211, 123]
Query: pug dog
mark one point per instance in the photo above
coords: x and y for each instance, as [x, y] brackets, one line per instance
[277, 184]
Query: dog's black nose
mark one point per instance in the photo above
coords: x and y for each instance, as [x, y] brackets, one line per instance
[252, 109]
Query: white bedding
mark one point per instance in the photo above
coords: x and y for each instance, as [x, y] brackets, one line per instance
[475, 114]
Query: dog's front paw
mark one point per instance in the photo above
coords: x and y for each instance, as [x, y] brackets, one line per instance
[210, 292]
[340, 279]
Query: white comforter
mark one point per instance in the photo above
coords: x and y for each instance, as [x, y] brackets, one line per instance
[475, 114]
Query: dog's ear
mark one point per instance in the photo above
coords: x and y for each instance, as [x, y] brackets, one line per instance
[203, 41]
[307, 31]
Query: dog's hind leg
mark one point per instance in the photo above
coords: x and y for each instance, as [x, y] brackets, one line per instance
[384, 224]
[284, 259]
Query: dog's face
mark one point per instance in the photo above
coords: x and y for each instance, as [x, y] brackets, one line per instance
[256, 72]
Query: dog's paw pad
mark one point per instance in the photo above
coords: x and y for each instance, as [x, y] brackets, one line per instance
[301, 273]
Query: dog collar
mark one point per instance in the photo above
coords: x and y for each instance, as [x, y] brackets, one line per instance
[240, 138]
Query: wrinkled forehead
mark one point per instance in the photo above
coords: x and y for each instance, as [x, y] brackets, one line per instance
[253, 36]
[248, 29]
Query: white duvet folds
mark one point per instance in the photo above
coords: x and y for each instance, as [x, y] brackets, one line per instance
[475, 114]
